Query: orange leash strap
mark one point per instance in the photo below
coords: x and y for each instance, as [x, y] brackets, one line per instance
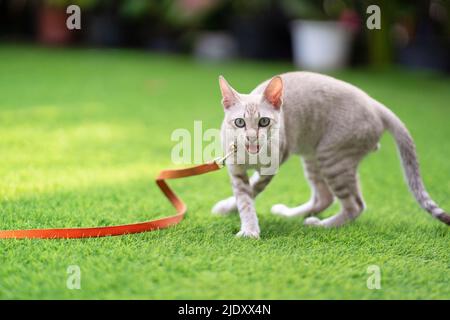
[180, 206]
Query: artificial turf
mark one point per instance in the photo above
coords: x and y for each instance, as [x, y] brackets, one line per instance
[84, 132]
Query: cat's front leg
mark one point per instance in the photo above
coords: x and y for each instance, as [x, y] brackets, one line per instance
[257, 182]
[243, 193]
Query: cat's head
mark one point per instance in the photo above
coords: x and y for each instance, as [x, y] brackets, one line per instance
[252, 118]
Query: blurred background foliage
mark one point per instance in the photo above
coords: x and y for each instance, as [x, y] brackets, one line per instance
[413, 33]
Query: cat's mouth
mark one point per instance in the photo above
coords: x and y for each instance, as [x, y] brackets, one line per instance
[252, 148]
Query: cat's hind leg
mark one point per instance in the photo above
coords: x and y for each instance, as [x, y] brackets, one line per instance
[225, 206]
[321, 197]
[340, 174]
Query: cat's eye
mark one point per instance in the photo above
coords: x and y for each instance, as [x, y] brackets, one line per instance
[264, 122]
[239, 122]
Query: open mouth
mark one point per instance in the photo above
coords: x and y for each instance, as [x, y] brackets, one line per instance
[252, 148]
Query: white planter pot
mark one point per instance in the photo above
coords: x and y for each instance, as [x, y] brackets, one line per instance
[214, 46]
[320, 45]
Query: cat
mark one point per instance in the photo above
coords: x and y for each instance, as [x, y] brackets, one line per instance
[332, 125]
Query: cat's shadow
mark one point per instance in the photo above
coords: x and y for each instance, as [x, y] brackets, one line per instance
[274, 227]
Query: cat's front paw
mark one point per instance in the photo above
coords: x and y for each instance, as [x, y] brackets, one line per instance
[248, 233]
[313, 221]
[225, 206]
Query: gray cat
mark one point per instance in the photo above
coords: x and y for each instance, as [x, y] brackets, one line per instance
[331, 124]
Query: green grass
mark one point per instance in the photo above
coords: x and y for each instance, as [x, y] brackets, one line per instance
[84, 132]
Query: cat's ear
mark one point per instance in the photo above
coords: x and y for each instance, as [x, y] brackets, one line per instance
[229, 95]
[274, 92]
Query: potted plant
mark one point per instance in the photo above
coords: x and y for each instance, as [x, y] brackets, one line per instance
[51, 21]
[186, 18]
[207, 23]
[166, 25]
[322, 33]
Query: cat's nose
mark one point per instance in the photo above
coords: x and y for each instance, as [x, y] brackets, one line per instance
[251, 135]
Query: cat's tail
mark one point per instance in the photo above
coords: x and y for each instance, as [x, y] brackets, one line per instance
[407, 151]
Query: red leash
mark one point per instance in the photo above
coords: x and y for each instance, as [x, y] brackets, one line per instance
[180, 206]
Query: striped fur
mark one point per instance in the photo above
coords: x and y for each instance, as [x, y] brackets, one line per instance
[332, 125]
